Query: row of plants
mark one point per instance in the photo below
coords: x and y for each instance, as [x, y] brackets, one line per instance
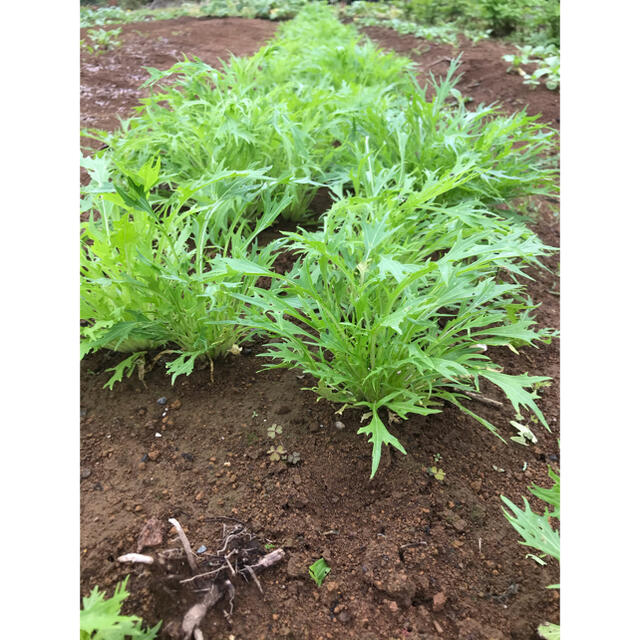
[266, 9]
[415, 273]
[533, 25]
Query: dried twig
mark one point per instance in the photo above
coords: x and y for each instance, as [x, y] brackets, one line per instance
[135, 558]
[490, 401]
[185, 544]
[433, 64]
[195, 615]
[420, 543]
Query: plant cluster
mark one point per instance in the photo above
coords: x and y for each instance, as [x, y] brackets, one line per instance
[538, 532]
[547, 62]
[535, 24]
[416, 270]
[101, 40]
[100, 618]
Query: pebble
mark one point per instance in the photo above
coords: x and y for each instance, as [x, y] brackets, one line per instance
[439, 600]
[344, 617]
[188, 457]
[176, 404]
[158, 435]
[154, 455]
[85, 473]
[201, 549]
[144, 458]
[162, 400]
[141, 466]
[339, 425]
[553, 457]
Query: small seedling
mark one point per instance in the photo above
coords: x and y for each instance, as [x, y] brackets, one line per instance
[293, 458]
[524, 434]
[438, 474]
[319, 571]
[274, 430]
[277, 453]
[269, 546]
[437, 457]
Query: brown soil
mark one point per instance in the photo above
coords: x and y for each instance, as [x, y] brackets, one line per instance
[467, 579]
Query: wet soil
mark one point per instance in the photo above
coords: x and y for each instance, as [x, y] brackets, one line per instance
[411, 557]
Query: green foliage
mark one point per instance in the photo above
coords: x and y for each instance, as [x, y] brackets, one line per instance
[549, 631]
[101, 40]
[100, 618]
[536, 530]
[547, 60]
[523, 21]
[269, 9]
[387, 304]
[145, 276]
[319, 570]
[420, 260]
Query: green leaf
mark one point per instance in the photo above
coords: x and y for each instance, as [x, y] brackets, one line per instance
[379, 436]
[514, 389]
[534, 529]
[549, 631]
[126, 367]
[100, 618]
[319, 571]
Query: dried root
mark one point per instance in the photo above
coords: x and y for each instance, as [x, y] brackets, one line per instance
[211, 573]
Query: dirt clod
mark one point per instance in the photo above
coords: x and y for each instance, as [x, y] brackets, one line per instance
[439, 600]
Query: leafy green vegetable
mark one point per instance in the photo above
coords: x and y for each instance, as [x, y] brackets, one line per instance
[319, 571]
[100, 618]
[536, 530]
[386, 306]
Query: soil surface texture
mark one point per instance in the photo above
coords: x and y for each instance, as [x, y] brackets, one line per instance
[411, 556]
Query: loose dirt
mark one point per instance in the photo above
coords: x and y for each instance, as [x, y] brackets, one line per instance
[411, 557]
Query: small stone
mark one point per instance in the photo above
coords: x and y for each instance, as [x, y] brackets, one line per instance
[201, 549]
[188, 457]
[439, 629]
[332, 586]
[553, 457]
[141, 466]
[176, 404]
[158, 435]
[144, 458]
[154, 455]
[392, 605]
[138, 508]
[85, 473]
[344, 617]
[162, 400]
[199, 496]
[339, 425]
[439, 601]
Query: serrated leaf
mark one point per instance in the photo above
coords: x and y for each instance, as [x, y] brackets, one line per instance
[379, 436]
[549, 631]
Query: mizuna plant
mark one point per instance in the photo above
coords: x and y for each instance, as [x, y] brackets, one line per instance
[385, 319]
[100, 618]
[538, 532]
[301, 115]
[146, 282]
